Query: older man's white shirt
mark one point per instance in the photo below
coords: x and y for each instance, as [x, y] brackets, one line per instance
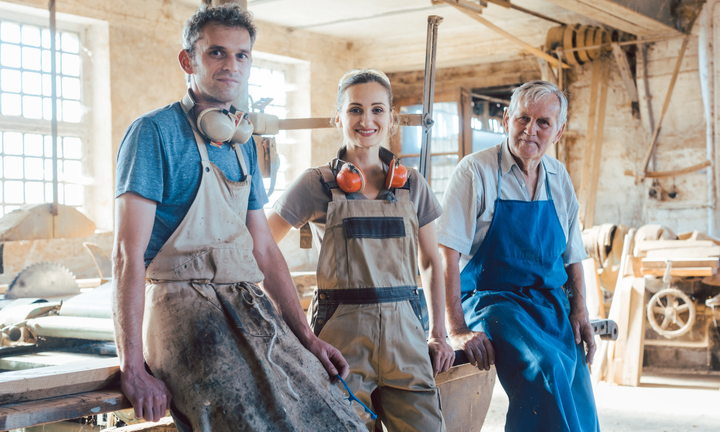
[469, 201]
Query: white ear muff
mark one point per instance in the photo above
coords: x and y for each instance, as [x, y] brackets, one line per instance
[244, 129]
[216, 124]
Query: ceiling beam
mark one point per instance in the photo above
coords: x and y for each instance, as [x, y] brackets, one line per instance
[615, 15]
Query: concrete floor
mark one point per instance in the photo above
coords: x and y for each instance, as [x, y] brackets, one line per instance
[662, 403]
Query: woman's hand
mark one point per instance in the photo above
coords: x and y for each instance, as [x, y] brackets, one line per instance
[442, 355]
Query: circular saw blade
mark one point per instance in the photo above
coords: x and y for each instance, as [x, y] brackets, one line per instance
[43, 280]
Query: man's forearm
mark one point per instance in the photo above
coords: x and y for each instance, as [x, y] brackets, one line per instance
[128, 308]
[454, 313]
[576, 284]
[281, 290]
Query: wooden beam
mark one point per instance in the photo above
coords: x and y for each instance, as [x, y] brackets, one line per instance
[32, 384]
[616, 16]
[681, 272]
[26, 414]
[323, 123]
[599, 137]
[552, 60]
[625, 73]
[673, 173]
[648, 263]
[589, 140]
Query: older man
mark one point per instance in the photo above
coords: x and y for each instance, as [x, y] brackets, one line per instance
[510, 241]
[190, 221]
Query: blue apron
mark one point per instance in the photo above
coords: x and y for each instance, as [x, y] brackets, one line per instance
[512, 291]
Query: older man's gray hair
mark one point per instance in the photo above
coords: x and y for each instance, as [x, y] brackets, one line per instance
[533, 91]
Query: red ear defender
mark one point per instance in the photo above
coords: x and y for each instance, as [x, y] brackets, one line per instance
[396, 176]
[351, 179]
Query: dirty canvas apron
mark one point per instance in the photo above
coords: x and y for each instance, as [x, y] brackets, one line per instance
[512, 291]
[215, 339]
[367, 304]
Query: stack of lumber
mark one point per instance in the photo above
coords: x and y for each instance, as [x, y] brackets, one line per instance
[694, 256]
[51, 394]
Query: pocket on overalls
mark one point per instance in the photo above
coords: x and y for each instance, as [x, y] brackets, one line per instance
[248, 309]
[374, 246]
[320, 313]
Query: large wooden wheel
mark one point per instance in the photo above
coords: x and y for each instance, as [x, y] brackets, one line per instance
[671, 313]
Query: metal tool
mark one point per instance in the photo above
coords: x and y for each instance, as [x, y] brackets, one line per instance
[43, 280]
[429, 94]
[353, 398]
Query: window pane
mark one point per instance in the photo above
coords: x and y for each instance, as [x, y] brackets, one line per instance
[48, 147]
[1, 172]
[10, 80]
[31, 83]
[48, 170]
[73, 148]
[33, 145]
[13, 167]
[46, 38]
[34, 193]
[48, 192]
[10, 55]
[9, 209]
[61, 195]
[13, 192]
[31, 58]
[440, 172]
[10, 32]
[71, 88]
[70, 43]
[71, 64]
[46, 66]
[445, 131]
[73, 194]
[11, 104]
[32, 107]
[72, 111]
[34, 169]
[47, 109]
[13, 143]
[31, 35]
[72, 171]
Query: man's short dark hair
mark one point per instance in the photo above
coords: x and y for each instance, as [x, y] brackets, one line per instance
[228, 15]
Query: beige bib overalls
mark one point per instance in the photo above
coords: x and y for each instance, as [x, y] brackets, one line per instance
[367, 304]
[215, 339]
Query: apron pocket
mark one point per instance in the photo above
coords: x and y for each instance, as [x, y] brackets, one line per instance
[251, 314]
[373, 247]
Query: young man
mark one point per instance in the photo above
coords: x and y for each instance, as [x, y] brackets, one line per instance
[189, 220]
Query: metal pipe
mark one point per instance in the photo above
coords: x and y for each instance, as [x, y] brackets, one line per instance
[429, 94]
[53, 121]
[73, 327]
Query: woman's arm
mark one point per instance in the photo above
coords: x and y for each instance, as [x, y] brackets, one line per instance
[431, 272]
[279, 227]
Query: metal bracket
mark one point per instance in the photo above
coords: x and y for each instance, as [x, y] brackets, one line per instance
[429, 94]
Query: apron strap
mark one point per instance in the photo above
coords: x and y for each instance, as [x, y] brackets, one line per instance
[202, 147]
[402, 194]
[241, 157]
[547, 181]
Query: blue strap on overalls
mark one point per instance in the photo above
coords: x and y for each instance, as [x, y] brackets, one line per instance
[353, 398]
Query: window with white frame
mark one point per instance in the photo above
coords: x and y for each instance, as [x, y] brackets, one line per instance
[270, 83]
[26, 111]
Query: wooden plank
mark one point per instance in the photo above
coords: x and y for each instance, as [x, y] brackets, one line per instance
[616, 16]
[635, 345]
[625, 73]
[465, 393]
[26, 385]
[649, 263]
[624, 295]
[701, 252]
[593, 292]
[681, 272]
[589, 140]
[648, 245]
[550, 59]
[599, 137]
[26, 414]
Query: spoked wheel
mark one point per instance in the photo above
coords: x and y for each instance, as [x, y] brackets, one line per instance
[671, 313]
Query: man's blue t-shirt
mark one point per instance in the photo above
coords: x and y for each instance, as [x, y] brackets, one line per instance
[158, 159]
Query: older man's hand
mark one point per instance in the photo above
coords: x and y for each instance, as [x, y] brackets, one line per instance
[582, 330]
[477, 347]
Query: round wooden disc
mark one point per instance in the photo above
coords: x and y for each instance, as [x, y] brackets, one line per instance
[596, 40]
[583, 37]
[570, 57]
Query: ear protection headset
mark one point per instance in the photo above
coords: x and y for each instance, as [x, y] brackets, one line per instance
[351, 179]
[219, 125]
